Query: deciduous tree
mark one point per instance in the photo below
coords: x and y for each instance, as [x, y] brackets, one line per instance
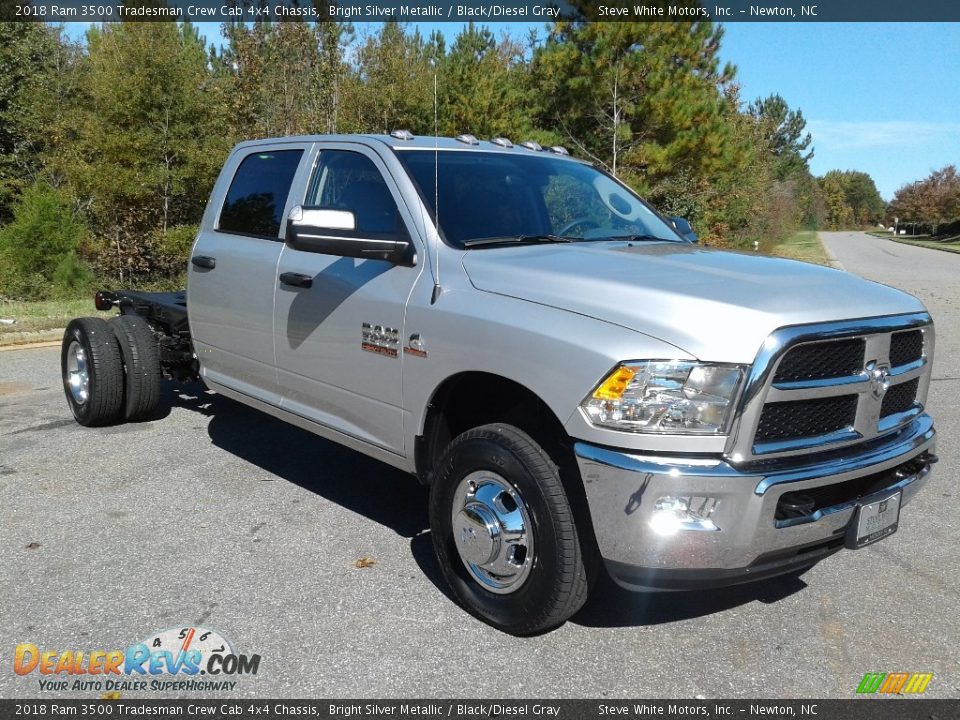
[934, 201]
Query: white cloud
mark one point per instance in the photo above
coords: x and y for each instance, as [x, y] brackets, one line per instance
[849, 135]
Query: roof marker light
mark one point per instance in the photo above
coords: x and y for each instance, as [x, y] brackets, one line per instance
[402, 135]
[468, 139]
[531, 145]
[502, 142]
[559, 150]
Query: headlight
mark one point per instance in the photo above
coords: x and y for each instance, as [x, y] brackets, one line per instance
[662, 396]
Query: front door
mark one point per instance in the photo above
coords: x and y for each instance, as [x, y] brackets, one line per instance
[339, 342]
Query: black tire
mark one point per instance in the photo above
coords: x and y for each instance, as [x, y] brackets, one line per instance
[556, 586]
[103, 401]
[140, 352]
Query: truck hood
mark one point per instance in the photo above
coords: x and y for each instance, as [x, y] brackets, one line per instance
[715, 305]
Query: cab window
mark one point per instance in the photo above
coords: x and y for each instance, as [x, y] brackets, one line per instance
[480, 194]
[256, 198]
[346, 180]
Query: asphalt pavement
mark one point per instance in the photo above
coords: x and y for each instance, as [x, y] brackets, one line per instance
[219, 517]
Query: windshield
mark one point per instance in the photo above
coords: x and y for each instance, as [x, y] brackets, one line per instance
[527, 197]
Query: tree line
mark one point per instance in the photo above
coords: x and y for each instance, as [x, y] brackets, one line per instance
[109, 146]
[930, 205]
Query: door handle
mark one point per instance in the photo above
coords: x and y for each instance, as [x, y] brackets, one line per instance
[204, 261]
[296, 280]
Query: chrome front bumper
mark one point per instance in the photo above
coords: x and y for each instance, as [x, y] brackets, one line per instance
[743, 540]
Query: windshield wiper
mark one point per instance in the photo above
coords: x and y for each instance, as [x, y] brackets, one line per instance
[639, 238]
[518, 240]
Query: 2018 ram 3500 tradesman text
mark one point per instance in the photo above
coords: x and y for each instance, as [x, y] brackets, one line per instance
[580, 385]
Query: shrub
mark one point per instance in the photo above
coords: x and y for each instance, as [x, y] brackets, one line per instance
[71, 277]
[38, 249]
[168, 254]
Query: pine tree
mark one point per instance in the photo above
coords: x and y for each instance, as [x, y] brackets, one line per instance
[642, 99]
[481, 86]
[284, 78]
[28, 56]
[147, 151]
[783, 134]
[393, 83]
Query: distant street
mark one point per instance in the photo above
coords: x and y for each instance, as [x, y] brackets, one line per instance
[931, 275]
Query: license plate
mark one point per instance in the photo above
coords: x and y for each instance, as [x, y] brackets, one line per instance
[874, 521]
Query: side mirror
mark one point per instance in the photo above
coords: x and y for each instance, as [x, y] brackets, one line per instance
[682, 226]
[323, 218]
[334, 232]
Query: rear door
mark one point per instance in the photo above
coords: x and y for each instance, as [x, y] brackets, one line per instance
[232, 273]
[339, 342]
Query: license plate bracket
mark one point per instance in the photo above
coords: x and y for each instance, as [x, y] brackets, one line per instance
[874, 521]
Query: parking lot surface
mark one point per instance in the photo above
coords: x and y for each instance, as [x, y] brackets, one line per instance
[217, 516]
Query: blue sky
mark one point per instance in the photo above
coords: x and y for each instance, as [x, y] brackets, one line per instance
[879, 97]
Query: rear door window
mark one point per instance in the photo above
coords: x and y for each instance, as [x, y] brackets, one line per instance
[258, 194]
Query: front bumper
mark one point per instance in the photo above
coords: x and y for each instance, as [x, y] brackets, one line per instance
[744, 539]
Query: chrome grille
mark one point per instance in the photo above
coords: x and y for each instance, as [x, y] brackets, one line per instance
[806, 418]
[815, 361]
[899, 398]
[906, 347]
[819, 387]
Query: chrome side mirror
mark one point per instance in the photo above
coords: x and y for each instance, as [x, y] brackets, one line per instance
[334, 232]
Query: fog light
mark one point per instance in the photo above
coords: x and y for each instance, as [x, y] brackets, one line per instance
[672, 514]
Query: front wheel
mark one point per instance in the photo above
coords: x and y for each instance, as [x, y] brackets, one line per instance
[504, 532]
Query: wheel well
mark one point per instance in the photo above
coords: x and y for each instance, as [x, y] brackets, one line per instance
[472, 399]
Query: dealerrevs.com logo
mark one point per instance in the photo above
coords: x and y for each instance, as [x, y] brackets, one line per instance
[172, 660]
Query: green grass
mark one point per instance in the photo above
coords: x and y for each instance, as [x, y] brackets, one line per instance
[41, 320]
[890, 236]
[951, 244]
[804, 245]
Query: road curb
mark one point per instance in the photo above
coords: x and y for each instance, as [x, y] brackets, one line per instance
[917, 245]
[31, 345]
[831, 258]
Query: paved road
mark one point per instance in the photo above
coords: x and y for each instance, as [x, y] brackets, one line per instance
[215, 515]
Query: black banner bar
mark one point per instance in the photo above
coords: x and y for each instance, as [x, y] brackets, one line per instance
[465, 10]
[865, 708]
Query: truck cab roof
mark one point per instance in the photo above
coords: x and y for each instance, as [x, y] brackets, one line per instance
[401, 140]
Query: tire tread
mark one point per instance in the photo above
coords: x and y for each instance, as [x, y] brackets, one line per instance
[570, 587]
[141, 358]
[105, 403]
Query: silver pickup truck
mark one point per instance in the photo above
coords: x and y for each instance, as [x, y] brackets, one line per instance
[582, 386]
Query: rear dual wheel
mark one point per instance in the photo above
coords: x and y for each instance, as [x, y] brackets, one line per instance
[141, 364]
[504, 531]
[111, 371]
[92, 372]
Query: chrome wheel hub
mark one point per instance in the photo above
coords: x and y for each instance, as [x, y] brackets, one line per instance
[492, 531]
[78, 373]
